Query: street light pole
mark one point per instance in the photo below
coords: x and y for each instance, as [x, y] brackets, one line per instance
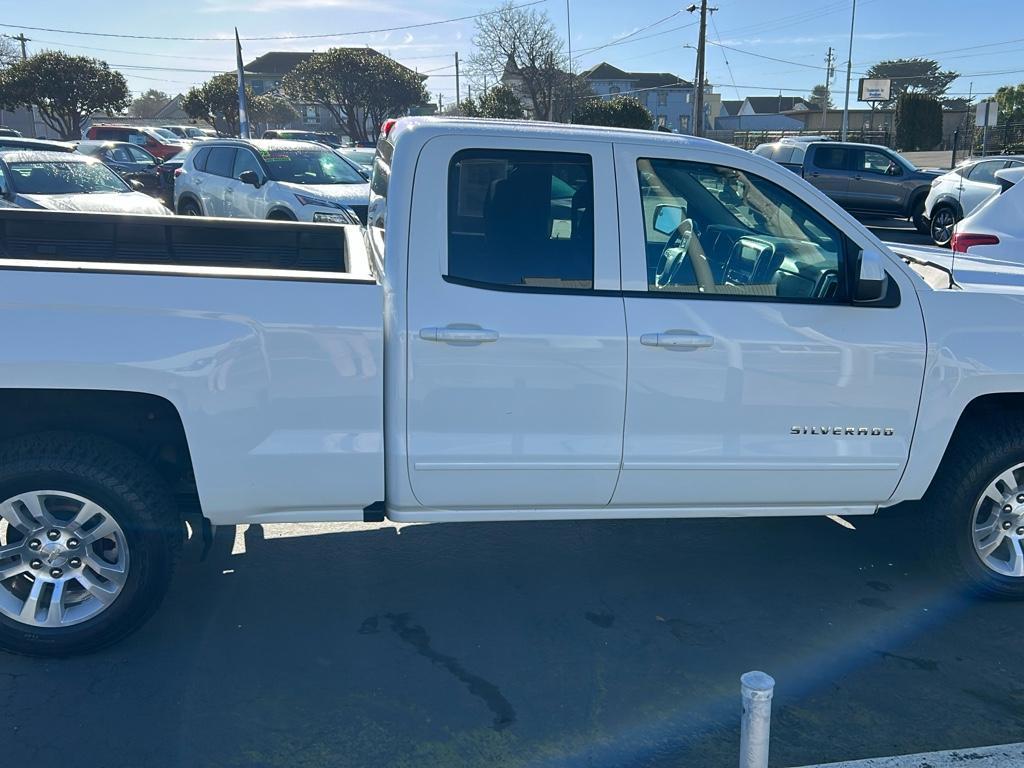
[849, 72]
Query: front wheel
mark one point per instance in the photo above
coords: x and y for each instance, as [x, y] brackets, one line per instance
[189, 208]
[977, 501]
[920, 220]
[87, 543]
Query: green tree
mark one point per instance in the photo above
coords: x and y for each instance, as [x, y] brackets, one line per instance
[359, 87]
[918, 121]
[923, 76]
[619, 112]
[1011, 103]
[272, 109]
[216, 99]
[820, 94]
[65, 89]
[501, 102]
[149, 103]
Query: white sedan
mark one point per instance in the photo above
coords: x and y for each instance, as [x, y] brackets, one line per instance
[956, 194]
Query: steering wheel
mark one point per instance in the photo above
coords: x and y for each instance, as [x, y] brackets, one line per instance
[673, 253]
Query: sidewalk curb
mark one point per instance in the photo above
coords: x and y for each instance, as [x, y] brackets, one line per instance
[1001, 756]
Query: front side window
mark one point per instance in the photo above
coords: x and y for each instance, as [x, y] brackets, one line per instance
[139, 155]
[246, 161]
[518, 218]
[714, 230]
[876, 162]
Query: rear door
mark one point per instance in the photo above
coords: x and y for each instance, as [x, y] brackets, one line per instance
[979, 183]
[829, 168]
[214, 189]
[516, 329]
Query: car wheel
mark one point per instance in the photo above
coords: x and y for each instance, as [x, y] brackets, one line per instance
[919, 219]
[88, 538]
[189, 208]
[942, 222]
[977, 504]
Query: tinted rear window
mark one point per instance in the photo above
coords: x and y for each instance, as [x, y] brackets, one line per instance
[220, 161]
[832, 158]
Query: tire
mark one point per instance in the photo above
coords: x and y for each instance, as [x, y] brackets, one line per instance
[958, 504]
[918, 218]
[127, 543]
[941, 224]
[189, 208]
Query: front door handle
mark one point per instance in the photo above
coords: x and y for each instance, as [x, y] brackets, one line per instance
[677, 340]
[458, 335]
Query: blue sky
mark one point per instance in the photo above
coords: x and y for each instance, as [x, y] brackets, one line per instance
[799, 32]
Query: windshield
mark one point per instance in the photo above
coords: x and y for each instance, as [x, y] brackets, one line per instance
[195, 133]
[64, 178]
[166, 134]
[361, 156]
[309, 166]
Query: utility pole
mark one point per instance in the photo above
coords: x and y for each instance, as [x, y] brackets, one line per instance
[698, 85]
[849, 68]
[568, 37]
[20, 37]
[458, 94]
[830, 72]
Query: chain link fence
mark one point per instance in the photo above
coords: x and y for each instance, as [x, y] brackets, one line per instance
[750, 139]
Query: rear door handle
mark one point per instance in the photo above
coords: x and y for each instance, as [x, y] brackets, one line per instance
[450, 335]
[677, 340]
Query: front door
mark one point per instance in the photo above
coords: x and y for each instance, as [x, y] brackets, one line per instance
[754, 380]
[877, 183]
[216, 180]
[517, 358]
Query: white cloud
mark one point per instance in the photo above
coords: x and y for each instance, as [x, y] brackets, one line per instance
[407, 38]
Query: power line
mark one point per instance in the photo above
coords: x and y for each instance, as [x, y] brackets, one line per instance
[728, 66]
[226, 39]
[588, 51]
[624, 38]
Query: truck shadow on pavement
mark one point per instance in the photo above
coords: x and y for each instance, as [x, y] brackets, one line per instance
[568, 643]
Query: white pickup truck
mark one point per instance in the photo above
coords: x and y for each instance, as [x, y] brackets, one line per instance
[538, 322]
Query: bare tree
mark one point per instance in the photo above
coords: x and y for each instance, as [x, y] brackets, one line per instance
[522, 45]
[9, 52]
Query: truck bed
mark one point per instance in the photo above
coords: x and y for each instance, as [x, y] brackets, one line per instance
[180, 241]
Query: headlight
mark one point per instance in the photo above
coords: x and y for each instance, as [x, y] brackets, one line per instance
[341, 217]
[319, 202]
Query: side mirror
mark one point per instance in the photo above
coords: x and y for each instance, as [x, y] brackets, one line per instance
[3, 187]
[250, 177]
[137, 185]
[872, 280]
[667, 218]
[894, 170]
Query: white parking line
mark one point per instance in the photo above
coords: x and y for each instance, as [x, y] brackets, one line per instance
[1002, 756]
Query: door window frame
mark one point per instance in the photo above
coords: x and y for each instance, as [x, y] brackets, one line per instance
[632, 231]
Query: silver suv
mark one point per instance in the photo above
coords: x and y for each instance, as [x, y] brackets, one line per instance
[270, 179]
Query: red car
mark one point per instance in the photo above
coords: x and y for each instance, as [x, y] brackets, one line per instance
[159, 142]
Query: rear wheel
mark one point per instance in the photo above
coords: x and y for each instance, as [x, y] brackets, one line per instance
[917, 216]
[942, 222]
[189, 208]
[977, 501]
[88, 536]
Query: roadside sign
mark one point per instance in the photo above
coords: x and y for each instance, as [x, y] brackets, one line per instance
[874, 89]
[987, 114]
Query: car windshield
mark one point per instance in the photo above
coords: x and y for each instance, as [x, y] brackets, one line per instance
[64, 178]
[195, 133]
[309, 166]
[361, 156]
[163, 133]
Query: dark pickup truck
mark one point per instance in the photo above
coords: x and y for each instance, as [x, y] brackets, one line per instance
[863, 178]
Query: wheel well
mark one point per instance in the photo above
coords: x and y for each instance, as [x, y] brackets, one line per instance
[949, 203]
[146, 424]
[281, 214]
[917, 196]
[1003, 405]
[189, 198]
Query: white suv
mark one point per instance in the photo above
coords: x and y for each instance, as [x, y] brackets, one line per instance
[270, 179]
[956, 194]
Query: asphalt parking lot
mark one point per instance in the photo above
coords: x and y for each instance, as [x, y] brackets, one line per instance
[541, 644]
[895, 231]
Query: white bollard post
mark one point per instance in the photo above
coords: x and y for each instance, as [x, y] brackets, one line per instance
[756, 689]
